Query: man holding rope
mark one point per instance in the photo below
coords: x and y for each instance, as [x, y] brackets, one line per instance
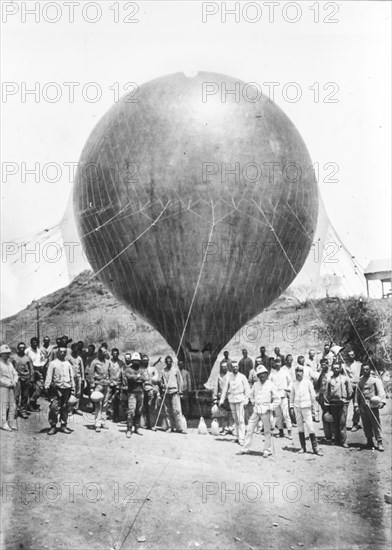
[369, 398]
[171, 384]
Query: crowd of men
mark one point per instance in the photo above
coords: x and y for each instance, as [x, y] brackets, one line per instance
[266, 394]
[273, 392]
[124, 389]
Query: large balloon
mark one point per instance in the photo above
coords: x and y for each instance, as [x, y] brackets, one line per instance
[196, 204]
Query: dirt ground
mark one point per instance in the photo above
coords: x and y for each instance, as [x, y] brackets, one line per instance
[162, 490]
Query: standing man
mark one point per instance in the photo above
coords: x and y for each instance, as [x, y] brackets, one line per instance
[265, 398]
[281, 379]
[277, 355]
[171, 384]
[226, 360]
[78, 373]
[302, 398]
[38, 360]
[116, 368]
[328, 354]
[99, 381]
[151, 393]
[186, 388]
[263, 358]
[312, 362]
[246, 364]
[224, 413]
[60, 382]
[354, 369]
[136, 376]
[291, 370]
[24, 368]
[338, 395]
[370, 397]
[321, 390]
[46, 350]
[237, 390]
[8, 381]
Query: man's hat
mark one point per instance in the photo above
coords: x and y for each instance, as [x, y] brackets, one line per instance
[5, 349]
[261, 369]
[136, 356]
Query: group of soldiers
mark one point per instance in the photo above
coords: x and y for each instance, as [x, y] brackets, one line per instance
[273, 392]
[125, 388]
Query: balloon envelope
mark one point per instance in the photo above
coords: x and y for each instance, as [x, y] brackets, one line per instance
[197, 207]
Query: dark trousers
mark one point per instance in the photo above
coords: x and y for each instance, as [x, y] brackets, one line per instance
[59, 405]
[185, 404]
[292, 416]
[339, 415]
[114, 403]
[371, 423]
[356, 415]
[152, 402]
[22, 394]
[135, 409]
[37, 387]
[327, 426]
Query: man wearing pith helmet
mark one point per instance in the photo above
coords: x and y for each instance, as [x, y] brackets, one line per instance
[265, 398]
[8, 380]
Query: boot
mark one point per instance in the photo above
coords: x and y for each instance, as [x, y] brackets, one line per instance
[315, 448]
[302, 441]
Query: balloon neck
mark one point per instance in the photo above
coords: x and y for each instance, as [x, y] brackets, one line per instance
[199, 364]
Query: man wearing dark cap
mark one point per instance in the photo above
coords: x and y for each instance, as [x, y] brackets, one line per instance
[136, 376]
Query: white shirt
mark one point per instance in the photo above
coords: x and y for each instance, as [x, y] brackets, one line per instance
[236, 388]
[37, 357]
[302, 394]
[281, 379]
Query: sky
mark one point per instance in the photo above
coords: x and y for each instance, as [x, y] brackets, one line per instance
[330, 62]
